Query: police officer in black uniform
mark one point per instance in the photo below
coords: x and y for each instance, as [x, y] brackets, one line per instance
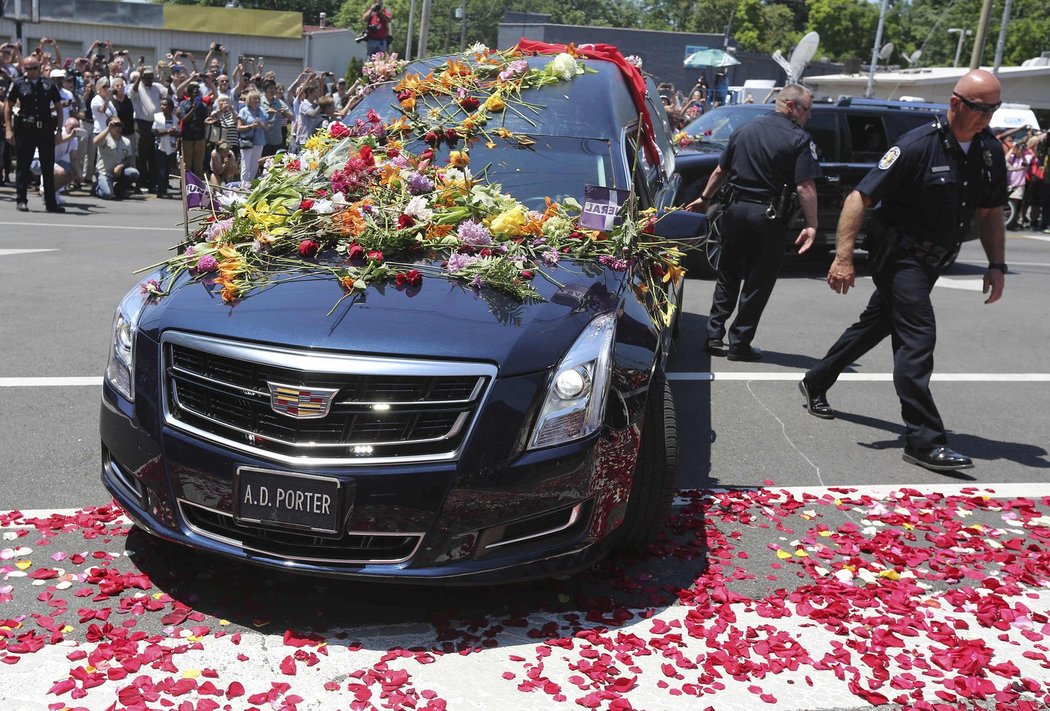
[33, 129]
[927, 189]
[765, 163]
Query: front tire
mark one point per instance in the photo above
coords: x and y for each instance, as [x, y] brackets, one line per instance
[655, 472]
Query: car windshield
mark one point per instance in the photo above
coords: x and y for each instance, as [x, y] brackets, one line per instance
[717, 125]
[554, 166]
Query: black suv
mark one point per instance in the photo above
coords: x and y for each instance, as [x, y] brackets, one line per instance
[851, 136]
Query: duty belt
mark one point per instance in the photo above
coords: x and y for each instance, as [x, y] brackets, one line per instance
[29, 122]
[736, 195]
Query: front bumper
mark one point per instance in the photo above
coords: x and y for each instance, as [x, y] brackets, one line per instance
[484, 518]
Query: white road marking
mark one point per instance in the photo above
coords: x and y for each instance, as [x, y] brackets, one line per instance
[883, 492]
[48, 382]
[9, 252]
[865, 377]
[66, 225]
[1041, 239]
[968, 284]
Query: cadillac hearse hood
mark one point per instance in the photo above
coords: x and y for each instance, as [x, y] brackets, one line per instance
[440, 319]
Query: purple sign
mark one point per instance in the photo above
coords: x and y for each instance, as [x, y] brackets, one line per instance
[601, 207]
[197, 193]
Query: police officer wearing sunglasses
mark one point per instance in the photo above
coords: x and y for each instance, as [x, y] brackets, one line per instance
[33, 129]
[926, 190]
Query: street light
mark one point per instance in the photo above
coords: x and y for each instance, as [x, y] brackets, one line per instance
[958, 48]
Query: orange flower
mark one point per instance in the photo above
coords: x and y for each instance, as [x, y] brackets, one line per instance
[504, 133]
[458, 159]
[399, 126]
[409, 103]
[349, 222]
[391, 175]
[438, 231]
[552, 208]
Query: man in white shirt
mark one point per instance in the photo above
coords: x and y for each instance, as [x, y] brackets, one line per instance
[145, 98]
[116, 177]
[59, 77]
[166, 129]
[65, 146]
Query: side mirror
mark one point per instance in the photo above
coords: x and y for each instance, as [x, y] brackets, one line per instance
[680, 225]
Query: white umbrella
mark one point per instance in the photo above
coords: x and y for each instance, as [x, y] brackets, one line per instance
[710, 58]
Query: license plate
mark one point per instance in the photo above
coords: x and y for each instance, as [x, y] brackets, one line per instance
[294, 500]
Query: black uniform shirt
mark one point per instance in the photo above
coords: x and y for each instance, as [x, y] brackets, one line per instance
[929, 189]
[766, 155]
[35, 100]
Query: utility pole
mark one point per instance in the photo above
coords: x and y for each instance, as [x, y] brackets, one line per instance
[1002, 36]
[424, 27]
[463, 25]
[408, 39]
[982, 32]
[875, 50]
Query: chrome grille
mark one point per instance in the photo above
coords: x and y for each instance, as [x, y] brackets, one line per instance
[384, 409]
[350, 547]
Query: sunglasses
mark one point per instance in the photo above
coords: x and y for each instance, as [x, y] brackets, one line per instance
[977, 105]
[32, 69]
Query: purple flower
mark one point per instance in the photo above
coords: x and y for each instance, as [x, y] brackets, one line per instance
[476, 282]
[400, 162]
[515, 68]
[551, 256]
[459, 262]
[619, 265]
[190, 251]
[207, 264]
[473, 234]
[539, 242]
[419, 184]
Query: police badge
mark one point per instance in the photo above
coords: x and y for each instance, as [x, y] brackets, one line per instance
[887, 160]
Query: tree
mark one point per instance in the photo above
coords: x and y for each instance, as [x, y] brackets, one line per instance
[846, 27]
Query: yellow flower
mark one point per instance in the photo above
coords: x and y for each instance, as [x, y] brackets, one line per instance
[314, 143]
[495, 102]
[509, 223]
[458, 159]
[504, 133]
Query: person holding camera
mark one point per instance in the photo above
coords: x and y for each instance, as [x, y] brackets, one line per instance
[377, 28]
[34, 128]
[252, 124]
[145, 99]
[116, 176]
[192, 113]
[66, 143]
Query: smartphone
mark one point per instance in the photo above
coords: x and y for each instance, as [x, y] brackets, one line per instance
[68, 63]
[142, 59]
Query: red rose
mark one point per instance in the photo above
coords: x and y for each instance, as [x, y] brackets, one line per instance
[321, 192]
[469, 103]
[338, 130]
[404, 222]
[658, 270]
[307, 248]
[375, 255]
[451, 137]
[486, 252]
[294, 164]
[410, 278]
[306, 204]
[428, 154]
[527, 274]
[431, 138]
[355, 251]
[366, 155]
[392, 152]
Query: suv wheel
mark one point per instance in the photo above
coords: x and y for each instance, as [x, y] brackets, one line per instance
[655, 472]
[704, 261]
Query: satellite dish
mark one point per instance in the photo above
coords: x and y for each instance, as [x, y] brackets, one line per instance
[800, 56]
[886, 51]
[913, 58]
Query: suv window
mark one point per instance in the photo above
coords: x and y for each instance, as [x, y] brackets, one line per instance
[823, 127]
[867, 138]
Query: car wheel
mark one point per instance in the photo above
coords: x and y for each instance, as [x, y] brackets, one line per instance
[703, 261]
[655, 472]
[1010, 211]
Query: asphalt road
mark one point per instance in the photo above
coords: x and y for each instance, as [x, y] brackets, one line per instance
[743, 430]
[56, 308]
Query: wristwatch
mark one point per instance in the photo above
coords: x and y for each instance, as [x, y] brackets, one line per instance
[1001, 266]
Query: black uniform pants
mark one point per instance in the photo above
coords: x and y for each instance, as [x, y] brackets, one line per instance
[144, 155]
[752, 252]
[27, 141]
[900, 308]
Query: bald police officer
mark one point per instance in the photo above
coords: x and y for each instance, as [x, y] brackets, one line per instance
[765, 162]
[34, 129]
[927, 189]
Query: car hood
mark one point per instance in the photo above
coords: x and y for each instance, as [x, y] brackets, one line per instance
[440, 319]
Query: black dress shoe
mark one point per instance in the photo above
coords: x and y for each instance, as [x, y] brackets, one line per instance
[56, 208]
[748, 354]
[22, 207]
[715, 347]
[938, 459]
[816, 403]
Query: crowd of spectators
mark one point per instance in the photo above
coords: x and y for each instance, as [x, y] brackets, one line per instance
[1028, 174]
[126, 123]
[683, 108]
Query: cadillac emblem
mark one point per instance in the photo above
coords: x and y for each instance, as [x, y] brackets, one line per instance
[301, 403]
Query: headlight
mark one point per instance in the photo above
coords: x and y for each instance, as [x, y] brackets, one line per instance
[575, 402]
[120, 369]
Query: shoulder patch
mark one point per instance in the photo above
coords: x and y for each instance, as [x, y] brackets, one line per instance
[813, 150]
[891, 156]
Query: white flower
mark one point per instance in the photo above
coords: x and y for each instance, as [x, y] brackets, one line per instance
[417, 208]
[229, 199]
[323, 207]
[339, 199]
[478, 48]
[564, 66]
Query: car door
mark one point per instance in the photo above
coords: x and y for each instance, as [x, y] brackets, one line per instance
[823, 127]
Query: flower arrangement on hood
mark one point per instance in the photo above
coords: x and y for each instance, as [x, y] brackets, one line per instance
[357, 205]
